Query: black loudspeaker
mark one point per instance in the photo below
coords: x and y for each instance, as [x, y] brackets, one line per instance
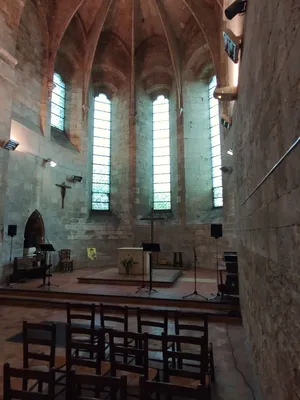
[216, 230]
[12, 230]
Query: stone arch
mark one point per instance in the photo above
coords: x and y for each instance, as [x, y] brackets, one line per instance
[34, 232]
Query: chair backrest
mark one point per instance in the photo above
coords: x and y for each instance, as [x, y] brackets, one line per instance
[121, 352]
[78, 352]
[148, 388]
[39, 342]
[191, 324]
[197, 357]
[64, 254]
[81, 314]
[11, 392]
[75, 382]
[152, 321]
[114, 316]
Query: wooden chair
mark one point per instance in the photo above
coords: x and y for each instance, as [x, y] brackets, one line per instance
[113, 317]
[78, 352]
[177, 373]
[121, 353]
[78, 383]
[82, 315]
[199, 328]
[65, 261]
[168, 390]
[13, 388]
[39, 349]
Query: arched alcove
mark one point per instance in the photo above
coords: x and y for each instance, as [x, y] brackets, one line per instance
[34, 232]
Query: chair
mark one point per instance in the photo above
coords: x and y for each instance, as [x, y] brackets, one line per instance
[147, 388]
[39, 345]
[77, 351]
[96, 384]
[176, 373]
[12, 387]
[198, 327]
[119, 354]
[82, 315]
[65, 262]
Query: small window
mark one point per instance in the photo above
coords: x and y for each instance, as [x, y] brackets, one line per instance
[161, 155]
[101, 154]
[58, 101]
[214, 119]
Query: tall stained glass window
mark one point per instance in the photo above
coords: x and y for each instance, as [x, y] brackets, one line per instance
[58, 101]
[214, 118]
[101, 153]
[161, 155]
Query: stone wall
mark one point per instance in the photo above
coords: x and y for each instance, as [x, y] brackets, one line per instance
[265, 125]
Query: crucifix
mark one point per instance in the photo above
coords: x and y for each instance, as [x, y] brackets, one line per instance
[63, 190]
[152, 247]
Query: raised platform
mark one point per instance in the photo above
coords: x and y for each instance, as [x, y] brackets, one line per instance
[160, 278]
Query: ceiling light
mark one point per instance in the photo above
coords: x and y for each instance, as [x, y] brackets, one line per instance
[10, 145]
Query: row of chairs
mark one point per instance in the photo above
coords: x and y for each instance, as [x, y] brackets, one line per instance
[116, 387]
[147, 320]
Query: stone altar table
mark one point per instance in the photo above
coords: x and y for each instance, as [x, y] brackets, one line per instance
[142, 258]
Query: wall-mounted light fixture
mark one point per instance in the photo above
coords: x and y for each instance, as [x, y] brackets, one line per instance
[226, 121]
[230, 152]
[226, 170]
[232, 45]
[10, 144]
[76, 178]
[237, 7]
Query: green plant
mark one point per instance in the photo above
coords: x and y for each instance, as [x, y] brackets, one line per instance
[128, 263]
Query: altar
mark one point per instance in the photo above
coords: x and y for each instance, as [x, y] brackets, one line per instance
[140, 257]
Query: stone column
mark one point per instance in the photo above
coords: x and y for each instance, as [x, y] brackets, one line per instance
[7, 83]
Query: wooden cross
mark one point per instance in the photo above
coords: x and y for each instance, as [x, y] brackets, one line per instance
[152, 219]
[63, 190]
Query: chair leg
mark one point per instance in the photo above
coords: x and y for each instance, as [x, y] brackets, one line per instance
[212, 365]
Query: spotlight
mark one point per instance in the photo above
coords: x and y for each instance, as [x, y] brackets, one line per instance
[232, 45]
[230, 152]
[226, 93]
[226, 121]
[237, 7]
[76, 178]
[10, 145]
[52, 163]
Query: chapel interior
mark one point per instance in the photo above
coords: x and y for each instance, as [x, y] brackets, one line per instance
[149, 168]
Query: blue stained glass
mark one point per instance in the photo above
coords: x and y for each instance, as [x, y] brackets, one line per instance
[58, 103]
[215, 145]
[101, 154]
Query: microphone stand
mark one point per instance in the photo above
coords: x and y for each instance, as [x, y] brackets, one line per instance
[195, 292]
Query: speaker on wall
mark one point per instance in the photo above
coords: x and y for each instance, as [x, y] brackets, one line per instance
[12, 230]
[216, 230]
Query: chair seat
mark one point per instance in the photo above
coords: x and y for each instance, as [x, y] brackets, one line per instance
[105, 368]
[133, 377]
[182, 381]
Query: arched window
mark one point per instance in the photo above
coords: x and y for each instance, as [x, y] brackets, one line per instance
[161, 155]
[58, 102]
[214, 119]
[101, 153]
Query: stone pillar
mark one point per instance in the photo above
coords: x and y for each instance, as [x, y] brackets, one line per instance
[7, 82]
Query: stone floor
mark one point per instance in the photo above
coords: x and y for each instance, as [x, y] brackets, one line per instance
[233, 368]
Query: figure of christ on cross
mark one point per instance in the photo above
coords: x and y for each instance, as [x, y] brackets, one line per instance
[63, 190]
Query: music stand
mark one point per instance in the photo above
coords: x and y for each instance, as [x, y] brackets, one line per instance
[47, 248]
[151, 248]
